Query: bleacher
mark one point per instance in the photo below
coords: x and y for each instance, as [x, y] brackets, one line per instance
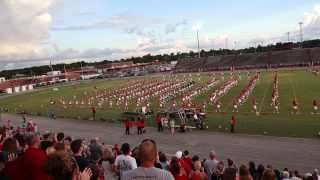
[285, 58]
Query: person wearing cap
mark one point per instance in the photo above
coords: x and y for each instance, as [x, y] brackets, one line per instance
[124, 162]
[148, 156]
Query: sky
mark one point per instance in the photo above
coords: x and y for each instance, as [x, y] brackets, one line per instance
[35, 32]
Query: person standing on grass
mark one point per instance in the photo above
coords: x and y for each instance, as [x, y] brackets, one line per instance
[233, 123]
[94, 111]
[295, 106]
[315, 106]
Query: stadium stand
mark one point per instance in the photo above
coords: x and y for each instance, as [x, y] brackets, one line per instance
[274, 59]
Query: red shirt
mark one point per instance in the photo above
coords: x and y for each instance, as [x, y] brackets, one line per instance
[198, 176]
[141, 124]
[94, 110]
[233, 121]
[186, 166]
[180, 177]
[31, 164]
[158, 119]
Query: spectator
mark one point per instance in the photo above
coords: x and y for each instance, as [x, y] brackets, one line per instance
[108, 159]
[260, 171]
[61, 166]
[269, 174]
[148, 157]
[315, 174]
[32, 161]
[230, 172]
[67, 141]
[198, 173]
[124, 162]
[177, 170]
[95, 148]
[211, 164]
[9, 147]
[60, 137]
[185, 165]
[96, 167]
[244, 173]
[285, 175]
[218, 173]
[77, 149]
[163, 161]
[47, 147]
[253, 170]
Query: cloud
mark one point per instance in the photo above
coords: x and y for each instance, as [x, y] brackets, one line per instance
[132, 23]
[24, 25]
[311, 23]
[171, 28]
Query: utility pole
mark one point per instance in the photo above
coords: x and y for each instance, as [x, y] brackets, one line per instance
[226, 43]
[198, 44]
[301, 33]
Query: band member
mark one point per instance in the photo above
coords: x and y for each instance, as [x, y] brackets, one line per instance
[276, 107]
[235, 106]
[295, 107]
[159, 123]
[93, 110]
[315, 106]
[218, 105]
[233, 123]
[254, 106]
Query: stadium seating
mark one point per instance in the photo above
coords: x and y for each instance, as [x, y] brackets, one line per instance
[285, 58]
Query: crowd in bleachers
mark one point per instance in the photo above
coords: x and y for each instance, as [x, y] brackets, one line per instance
[55, 156]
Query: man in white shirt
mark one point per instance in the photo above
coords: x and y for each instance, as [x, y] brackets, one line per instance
[124, 162]
[148, 156]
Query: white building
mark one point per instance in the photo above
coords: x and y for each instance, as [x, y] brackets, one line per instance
[2, 79]
[54, 73]
[16, 89]
[9, 90]
[30, 87]
[24, 88]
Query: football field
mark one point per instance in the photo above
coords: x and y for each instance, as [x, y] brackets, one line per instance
[75, 100]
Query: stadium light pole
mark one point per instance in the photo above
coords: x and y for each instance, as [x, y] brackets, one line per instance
[301, 33]
[198, 44]
[288, 35]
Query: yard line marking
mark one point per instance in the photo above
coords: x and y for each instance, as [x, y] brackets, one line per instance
[264, 96]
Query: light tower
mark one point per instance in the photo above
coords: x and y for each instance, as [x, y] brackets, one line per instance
[198, 44]
[288, 35]
[301, 33]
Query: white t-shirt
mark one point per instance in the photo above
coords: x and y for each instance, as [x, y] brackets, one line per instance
[125, 163]
[147, 173]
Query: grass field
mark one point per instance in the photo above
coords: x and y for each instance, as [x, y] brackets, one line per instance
[301, 84]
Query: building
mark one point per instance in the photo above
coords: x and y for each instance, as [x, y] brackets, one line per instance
[54, 73]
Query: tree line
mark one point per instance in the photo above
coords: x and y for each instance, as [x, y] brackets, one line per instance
[40, 70]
